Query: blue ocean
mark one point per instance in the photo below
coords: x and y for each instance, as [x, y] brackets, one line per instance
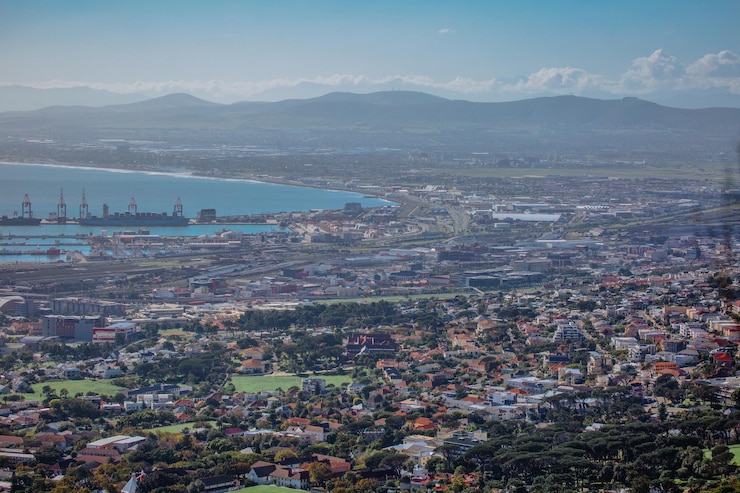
[156, 192]
[152, 192]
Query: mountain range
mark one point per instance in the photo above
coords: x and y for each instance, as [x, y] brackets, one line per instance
[391, 118]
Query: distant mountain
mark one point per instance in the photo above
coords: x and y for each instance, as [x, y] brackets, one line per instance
[395, 119]
[170, 101]
[23, 98]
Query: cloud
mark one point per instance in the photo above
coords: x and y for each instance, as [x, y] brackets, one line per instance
[647, 74]
[236, 90]
[723, 64]
[558, 80]
[461, 85]
[721, 70]
[657, 73]
[663, 72]
[445, 30]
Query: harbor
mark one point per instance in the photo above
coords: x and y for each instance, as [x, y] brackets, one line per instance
[46, 185]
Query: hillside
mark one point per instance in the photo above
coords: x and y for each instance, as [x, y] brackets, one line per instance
[394, 119]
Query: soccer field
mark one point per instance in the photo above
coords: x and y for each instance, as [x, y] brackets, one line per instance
[258, 383]
[102, 387]
[266, 489]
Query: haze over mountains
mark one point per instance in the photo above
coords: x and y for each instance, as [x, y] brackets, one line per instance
[25, 98]
[391, 118]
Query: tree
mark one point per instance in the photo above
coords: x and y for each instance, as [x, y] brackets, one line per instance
[395, 461]
[457, 484]
[281, 455]
[319, 473]
[721, 462]
[662, 412]
[48, 455]
[667, 386]
[641, 484]
[736, 398]
[196, 486]
[220, 445]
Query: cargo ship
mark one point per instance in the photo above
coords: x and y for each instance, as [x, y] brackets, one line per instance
[25, 219]
[132, 217]
[19, 221]
[49, 252]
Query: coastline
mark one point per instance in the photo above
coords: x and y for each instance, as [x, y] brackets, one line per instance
[261, 179]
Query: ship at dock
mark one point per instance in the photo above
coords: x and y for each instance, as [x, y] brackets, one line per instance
[132, 217]
[25, 219]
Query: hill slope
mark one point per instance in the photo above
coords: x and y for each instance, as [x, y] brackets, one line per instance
[391, 118]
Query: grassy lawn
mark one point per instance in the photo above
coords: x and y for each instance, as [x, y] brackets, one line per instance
[75, 387]
[180, 427]
[174, 332]
[266, 489]
[395, 298]
[257, 383]
[735, 449]
[659, 170]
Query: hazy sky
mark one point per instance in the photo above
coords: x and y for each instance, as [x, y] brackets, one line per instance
[487, 50]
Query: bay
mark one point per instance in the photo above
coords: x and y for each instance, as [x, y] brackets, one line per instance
[156, 192]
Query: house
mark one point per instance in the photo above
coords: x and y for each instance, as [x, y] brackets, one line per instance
[313, 385]
[268, 473]
[338, 466]
[460, 442]
[234, 432]
[10, 441]
[409, 405]
[51, 440]
[373, 342]
[315, 433]
[289, 477]
[723, 359]
[252, 367]
[423, 424]
[101, 455]
[260, 471]
[219, 484]
[253, 353]
[419, 452]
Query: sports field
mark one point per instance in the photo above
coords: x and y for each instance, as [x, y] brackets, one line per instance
[75, 387]
[179, 427]
[266, 489]
[254, 384]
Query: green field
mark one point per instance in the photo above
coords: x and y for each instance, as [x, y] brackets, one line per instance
[180, 427]
[678, 171]
[102, 387]
[395, 298]
[266, 489]
[257, 383]
[174, 332]
[735, 449]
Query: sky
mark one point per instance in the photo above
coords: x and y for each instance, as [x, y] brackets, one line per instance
[685, 51]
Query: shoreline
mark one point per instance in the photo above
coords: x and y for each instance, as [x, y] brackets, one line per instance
[267, 180]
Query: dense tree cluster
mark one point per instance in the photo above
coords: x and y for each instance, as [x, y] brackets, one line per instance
[558, 458]
[207, 369]
[320, 315]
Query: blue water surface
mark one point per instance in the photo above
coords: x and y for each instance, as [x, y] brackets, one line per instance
[156, 192]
